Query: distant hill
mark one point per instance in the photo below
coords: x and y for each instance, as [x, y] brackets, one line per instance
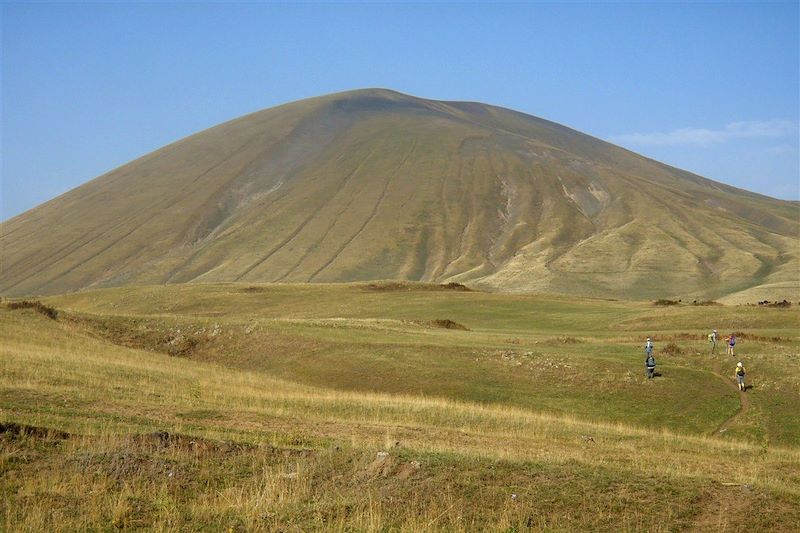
[374, 184]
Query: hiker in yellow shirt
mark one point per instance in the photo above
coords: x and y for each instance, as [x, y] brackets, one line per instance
[739, 375]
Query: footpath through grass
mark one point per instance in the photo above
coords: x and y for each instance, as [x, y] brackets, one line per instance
[297, 407]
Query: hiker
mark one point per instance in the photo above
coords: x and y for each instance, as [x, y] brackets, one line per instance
[649, 362]
[731, 343]
[712, 339]
[739, 375]
[650, 365]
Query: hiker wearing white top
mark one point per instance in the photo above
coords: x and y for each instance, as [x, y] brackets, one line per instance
[739, 375]
[712, 339]
[649, 362]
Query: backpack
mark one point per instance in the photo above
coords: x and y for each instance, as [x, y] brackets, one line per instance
[740, 371]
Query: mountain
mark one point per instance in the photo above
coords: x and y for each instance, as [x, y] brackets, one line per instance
[374, 184]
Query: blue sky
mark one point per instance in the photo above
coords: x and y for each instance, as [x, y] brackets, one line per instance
[709, 87]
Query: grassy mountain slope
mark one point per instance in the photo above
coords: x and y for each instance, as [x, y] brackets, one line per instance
[374, 184]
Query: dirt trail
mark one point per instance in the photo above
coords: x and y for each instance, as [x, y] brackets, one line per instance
[744, 401]
[725, 508]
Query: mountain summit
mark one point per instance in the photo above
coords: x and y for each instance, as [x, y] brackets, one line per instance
[374, 184]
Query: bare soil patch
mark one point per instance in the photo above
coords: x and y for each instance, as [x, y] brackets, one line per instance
[253, 289]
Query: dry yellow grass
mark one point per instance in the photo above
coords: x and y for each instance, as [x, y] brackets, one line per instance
[263, 453]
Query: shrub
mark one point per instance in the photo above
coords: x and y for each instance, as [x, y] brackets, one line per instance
[666, 302]
[445, 323]
[414, 286]
[181, 346]
[672, 349]
[767, 303]
[453, 286]
[36, 305]
[760, 338]
[388, 286]
[448, 324]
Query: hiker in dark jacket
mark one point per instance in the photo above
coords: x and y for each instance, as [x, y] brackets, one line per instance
[650, 365]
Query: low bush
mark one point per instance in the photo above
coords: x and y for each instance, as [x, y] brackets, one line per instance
[444, 323]
[36, 305]
[453, 286]
[767, 303]
[741, 335]
[672, 349]
[181, 346]
[388, 286]
[666, 302]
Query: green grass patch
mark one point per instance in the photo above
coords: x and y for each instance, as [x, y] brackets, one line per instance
[289, 392]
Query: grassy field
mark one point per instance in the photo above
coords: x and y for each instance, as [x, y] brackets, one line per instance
[393, 407]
